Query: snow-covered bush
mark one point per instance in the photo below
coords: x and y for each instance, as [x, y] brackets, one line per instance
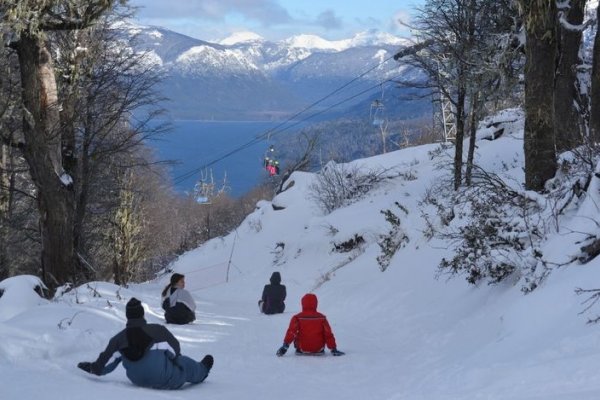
[339, 185]
[394, 239]
[496, 232]
[348, 245]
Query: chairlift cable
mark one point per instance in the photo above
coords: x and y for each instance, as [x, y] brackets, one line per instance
[275, 130]
[326, 97]
[256, 140]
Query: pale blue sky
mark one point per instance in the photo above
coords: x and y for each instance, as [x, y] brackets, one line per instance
[276, 19]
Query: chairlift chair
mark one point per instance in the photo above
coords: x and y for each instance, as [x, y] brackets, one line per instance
[270, 162]
[376, 113]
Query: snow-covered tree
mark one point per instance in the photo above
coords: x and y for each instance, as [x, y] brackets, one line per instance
[465, 51]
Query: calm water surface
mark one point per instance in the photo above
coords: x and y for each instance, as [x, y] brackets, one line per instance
[193, 144]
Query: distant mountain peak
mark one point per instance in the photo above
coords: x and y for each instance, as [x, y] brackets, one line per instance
[374, 37]
[245, 76]
[241, 37]
[306, 41]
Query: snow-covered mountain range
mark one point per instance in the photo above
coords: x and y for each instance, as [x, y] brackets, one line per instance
[247, 77]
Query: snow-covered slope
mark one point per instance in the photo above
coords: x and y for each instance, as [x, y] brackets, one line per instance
[407, 335]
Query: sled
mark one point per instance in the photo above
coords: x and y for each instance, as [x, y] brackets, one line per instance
[320, 353]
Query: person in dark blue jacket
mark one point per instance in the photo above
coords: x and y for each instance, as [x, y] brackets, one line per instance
[150, 354]
[273, 296]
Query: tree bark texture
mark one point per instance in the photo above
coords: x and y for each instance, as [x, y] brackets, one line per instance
[568, 122]
[595, 92]
[4, 209]
[460, 132]
[540, 51]
[42, 151]
[472, 137]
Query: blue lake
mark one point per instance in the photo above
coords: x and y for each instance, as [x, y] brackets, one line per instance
[193, 144]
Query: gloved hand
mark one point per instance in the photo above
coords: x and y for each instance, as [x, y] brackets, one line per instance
[87, 367]
[336, 352]
[282, 350]
[175, 360]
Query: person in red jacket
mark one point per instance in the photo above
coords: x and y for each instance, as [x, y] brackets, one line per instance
[309, 330]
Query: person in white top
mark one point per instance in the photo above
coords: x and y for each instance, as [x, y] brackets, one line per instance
[178, 303]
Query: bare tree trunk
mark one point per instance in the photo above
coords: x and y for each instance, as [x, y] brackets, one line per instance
[76, 160]
[540, 51]
[207, 229]
[68, 105]
[82, 201]
[127, 229]
[4, 209]
[460, 131]
[473, 137]
[568, 122]
[595, 92]
[42, 152]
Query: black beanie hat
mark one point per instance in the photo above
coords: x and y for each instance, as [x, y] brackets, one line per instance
[134, 309]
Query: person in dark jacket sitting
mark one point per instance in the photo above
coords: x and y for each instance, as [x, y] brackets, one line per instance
[273, 296]
[150, 354]
[178, 303]
[309, 331]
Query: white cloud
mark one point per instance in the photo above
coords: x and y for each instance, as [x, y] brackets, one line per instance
[400, 20]
[265, 12]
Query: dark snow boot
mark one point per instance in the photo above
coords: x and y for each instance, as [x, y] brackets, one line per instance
[208, 362]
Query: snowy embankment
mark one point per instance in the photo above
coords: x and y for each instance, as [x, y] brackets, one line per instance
[406, 334]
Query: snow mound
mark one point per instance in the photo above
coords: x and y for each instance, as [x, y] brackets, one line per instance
[19, 294]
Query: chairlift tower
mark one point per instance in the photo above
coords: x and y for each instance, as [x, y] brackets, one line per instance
[447, 111]
[448, 118]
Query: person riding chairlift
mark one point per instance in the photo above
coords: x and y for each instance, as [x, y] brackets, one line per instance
[272, 166]
[273, 169]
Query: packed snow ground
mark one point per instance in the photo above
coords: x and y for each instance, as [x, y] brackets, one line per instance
[406, 334]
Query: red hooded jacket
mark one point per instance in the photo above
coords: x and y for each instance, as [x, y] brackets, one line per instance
[309, 330]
